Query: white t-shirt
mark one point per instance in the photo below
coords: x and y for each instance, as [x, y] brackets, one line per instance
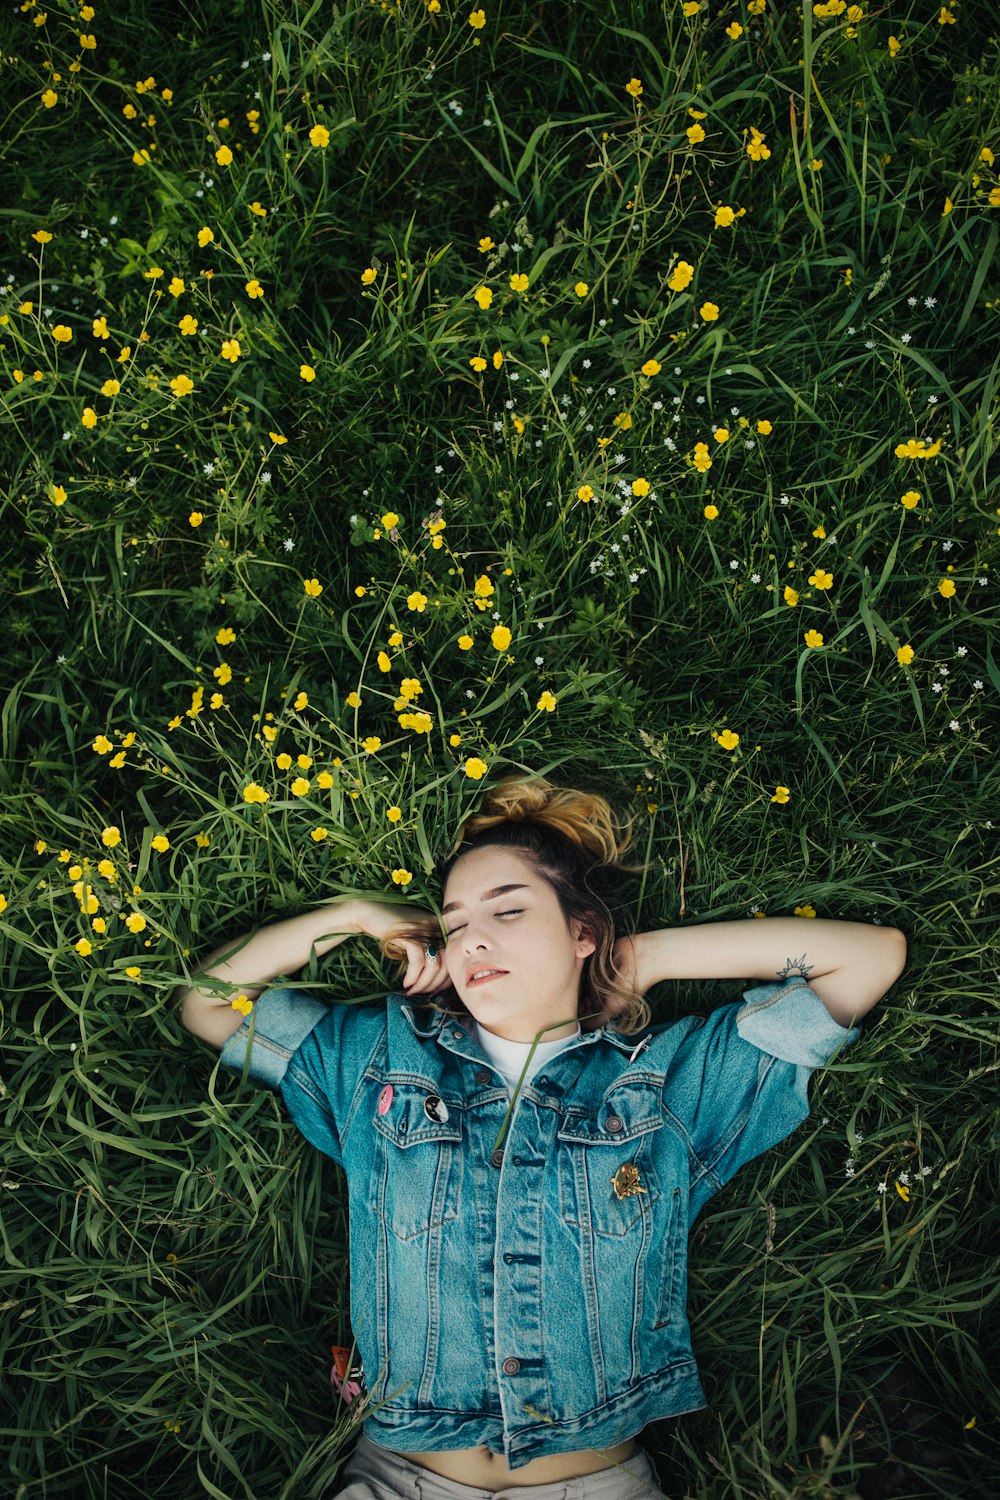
[508, 1057]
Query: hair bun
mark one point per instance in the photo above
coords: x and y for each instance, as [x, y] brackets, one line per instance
[585, 818]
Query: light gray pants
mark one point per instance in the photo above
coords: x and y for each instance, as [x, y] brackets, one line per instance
[376, 1473]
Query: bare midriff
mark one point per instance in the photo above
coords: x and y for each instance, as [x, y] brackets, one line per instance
[489, 1471]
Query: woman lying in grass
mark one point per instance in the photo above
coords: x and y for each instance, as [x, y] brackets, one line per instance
[525, 1155]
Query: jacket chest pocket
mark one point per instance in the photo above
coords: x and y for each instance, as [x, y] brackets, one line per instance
[417, 1164]
[607, 1180]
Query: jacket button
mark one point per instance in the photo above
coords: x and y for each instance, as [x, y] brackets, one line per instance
[484, 1075]
[614, 1123]
[511, 1366]
[497, 1156]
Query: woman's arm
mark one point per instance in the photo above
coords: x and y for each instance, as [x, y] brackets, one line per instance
[849, 965]
[246, 966]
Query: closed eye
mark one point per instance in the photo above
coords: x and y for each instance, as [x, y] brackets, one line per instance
[515, 911]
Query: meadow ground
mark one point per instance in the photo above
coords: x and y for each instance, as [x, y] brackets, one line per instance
[395, 396]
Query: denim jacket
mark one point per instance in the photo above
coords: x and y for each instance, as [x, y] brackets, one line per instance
[529, 1293]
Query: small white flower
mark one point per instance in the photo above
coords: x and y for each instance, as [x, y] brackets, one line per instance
[469, 693]
[633, 578]
[869, 343]
[911, 301]
[539, 660]
[66, 435]
[265, 57]
[208, 469]
[943, 672]
[288, 544]
[904, 1178]
[936, 687]
[755, 578]
[981, 582]
[265, 477]
[932, 401]
[245, 63]
[947, 546]
[881, 1187]
[131, 482]
[586, 364]
[963, 651]
[978, 684]
[954, 725]
[930, 302]
[850, 328]
[904, 338]
[61, 660]
[733, 565]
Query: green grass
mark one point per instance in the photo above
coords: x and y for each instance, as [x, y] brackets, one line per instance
[175, 1258]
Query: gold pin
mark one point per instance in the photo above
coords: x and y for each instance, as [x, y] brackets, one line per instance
[626, 1181]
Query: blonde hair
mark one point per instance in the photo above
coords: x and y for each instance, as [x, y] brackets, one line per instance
[575, 842]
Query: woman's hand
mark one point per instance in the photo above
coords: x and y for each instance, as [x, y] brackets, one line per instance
[419, 930]
[626, 954]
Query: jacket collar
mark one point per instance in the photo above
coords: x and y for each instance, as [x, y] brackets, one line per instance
[429, 1024]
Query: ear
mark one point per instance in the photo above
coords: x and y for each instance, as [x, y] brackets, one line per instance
[586, 943]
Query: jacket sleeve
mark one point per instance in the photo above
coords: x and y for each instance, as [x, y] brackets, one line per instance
[790, 1021]
[313, 1054]
[743, 1074]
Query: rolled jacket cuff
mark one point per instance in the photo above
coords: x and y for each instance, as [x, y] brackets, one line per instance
[276, 1027]
[789, 1020]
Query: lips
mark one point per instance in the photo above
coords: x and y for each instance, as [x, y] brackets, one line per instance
[472, 983]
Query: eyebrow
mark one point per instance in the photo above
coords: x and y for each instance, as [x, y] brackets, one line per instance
[499, 890]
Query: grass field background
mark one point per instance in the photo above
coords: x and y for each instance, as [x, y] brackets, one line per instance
[397, 396]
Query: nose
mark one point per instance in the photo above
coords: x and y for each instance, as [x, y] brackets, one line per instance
[474, 941]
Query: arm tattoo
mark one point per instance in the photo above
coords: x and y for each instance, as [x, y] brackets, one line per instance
[796, 966]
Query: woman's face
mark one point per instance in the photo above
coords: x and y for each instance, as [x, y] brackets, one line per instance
[520, 931]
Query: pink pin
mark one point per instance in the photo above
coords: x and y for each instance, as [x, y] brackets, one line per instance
[385, 1099]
